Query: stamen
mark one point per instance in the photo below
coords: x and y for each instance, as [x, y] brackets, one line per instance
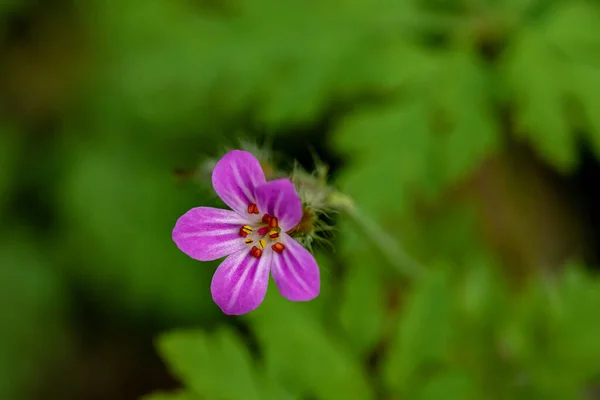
[256, 252]
[245, 230]
[273, 234]
[263, 231]
[273, 222]
[262, 244]
[249, 241]
[252, 209]
[278, 247]
[266, 218]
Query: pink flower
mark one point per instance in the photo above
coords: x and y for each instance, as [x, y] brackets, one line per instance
[252, 236]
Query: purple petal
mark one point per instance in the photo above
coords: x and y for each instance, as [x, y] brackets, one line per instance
[207, 233]
[240, 283]
[279, 199]
[235, 177]
[295, 271]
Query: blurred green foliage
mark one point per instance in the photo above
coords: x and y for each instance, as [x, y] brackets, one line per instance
[429, 103]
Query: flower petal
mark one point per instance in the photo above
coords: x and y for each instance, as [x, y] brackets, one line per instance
[279, 199]
[235, 177]
[240, 283]
[295, 271]
[207, 233]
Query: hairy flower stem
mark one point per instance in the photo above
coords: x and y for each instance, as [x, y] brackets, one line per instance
[389, 246]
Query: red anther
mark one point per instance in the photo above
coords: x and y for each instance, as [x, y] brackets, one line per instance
[263, 231]
[273, 222]
[252, 209]
[256, 252]
[274, 235]
[278, 247]
[266, 218]
[245, 230]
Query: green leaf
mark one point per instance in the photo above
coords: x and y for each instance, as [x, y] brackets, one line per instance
[483, 304]
[569, 361]
[572, 31]
[166, 83]
[435, 138]
[448, 385]
[10, 5]
[9, 152]
[179, 395]
[571, 28]
[304, 358]
[551, 336]
[423, 335]
[31, 304]
[463, 97]
[535, 80]
[482, 293]
[362, 303]
[391, 148]
[215, 366]
[123, 207]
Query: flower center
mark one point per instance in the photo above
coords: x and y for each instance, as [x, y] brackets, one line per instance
[264, 233]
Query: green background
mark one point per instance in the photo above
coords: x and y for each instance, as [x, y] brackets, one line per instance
[466, 131]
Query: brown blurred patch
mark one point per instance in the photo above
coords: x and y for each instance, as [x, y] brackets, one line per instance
[526, 212]
[42, 63]
[107, 365]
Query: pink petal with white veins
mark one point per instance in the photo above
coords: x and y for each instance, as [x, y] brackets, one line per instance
[235, 177]
[279, 199]
[295, 271]
[240, 283]
[206, 233]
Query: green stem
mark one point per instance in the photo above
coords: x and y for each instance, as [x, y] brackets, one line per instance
[390, 247]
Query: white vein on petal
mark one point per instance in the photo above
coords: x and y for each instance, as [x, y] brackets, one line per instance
[261, 264]
[235, 293]
[240, 182]
[293, 271]
[203, 233]
[277, 204]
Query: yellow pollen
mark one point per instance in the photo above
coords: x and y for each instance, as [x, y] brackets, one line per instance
[262, 244]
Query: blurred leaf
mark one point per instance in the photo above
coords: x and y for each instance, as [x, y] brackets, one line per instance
[425, 144]
[571, 29]
[180, 395]
[551, 336]
[569, 361]
[392, 62]
[423, 335]
[322, 305]
[391, 149]
[301, 356]
[484, 302]
[31, 306]
[586, 86]
[10, 5]
[123, 207]
[448, 385]
[580, 293]
[536, 77]
[483, 295]
[363, 304]
[9, 151]
[465, 105]
[166, 82]
[272, 390]
[215, 366]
